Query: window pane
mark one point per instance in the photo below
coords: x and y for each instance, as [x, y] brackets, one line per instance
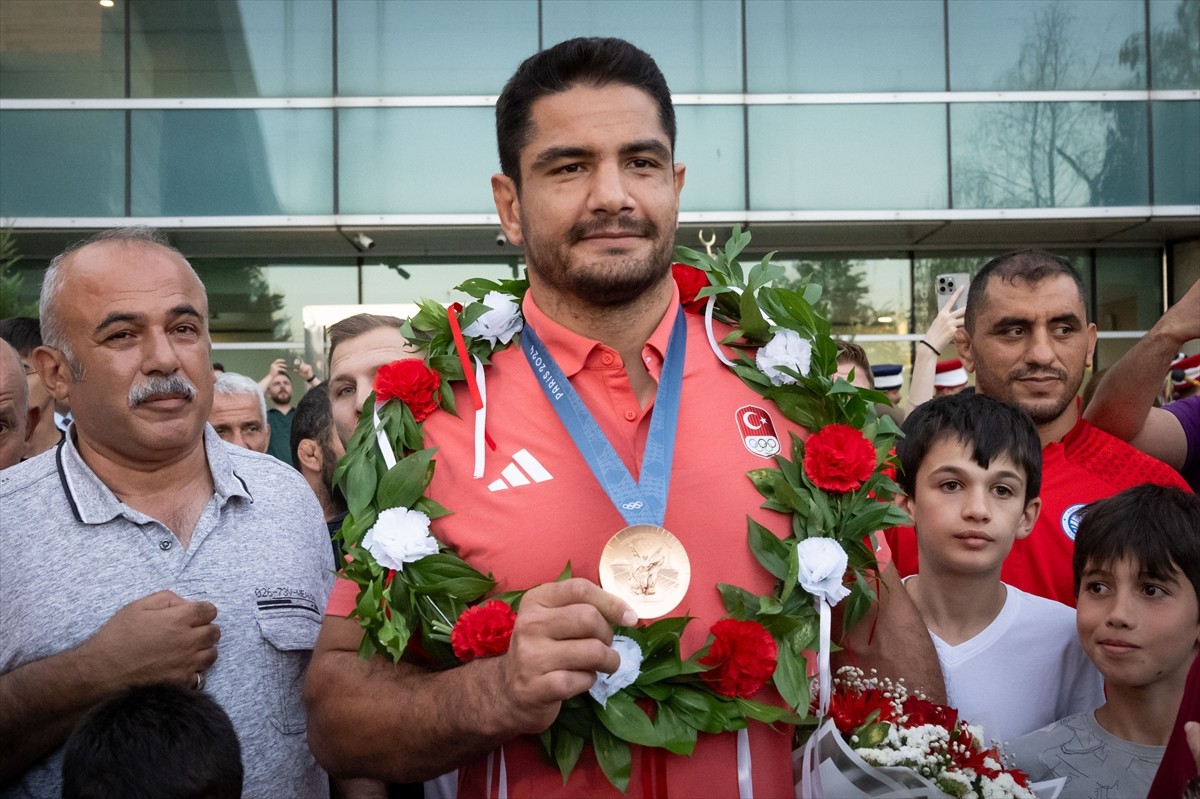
[378, 53]
[711, 144]
[245, 48]
[847, 157]
[1049, 155]
[1176, 153]
[62, 163]
[231, 163]
[1174, 44]
[249, 300]
[1128, 289]
[834, 46]
[383, 283]
[1038, 45]
[416, 160]
[61, 48]
[696, 43]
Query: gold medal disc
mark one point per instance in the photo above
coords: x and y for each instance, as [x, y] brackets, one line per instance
[647, 567]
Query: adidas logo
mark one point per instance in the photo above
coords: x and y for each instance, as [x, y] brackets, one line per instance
[523, 470]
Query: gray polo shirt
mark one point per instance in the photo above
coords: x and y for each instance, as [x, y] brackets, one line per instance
[72, 554]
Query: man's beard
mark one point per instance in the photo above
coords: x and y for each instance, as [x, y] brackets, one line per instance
[1042, 410]
[328, 466]
[617, 279]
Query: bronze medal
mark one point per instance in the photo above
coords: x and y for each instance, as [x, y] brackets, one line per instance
[647, 567]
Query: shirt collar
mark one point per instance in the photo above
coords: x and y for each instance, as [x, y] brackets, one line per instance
[571, 350]
[94, 502]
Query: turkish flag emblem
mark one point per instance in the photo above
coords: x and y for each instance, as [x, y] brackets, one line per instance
[757, 431]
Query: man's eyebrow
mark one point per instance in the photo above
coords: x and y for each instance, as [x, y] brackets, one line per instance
[118, 317]
[186, 309]
[552, 154]
[653, 146]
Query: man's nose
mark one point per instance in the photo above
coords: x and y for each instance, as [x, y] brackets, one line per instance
[609, 189]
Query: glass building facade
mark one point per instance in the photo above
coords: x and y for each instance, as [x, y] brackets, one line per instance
[873, 143]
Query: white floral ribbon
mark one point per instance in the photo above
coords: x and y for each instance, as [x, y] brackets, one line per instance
[823, 563]
[480, 420]
[502, 790]
[745, 776]
[708, 328]
[385, 448]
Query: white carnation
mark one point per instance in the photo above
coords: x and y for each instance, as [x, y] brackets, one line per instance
[500, 323]
[626, 674]
[822, 565]
[786, 348]
[399, 536]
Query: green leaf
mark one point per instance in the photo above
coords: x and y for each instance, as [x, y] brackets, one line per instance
[740, 603]
[791, 679]
[567, 748]
[626, 720]
[753, 324]
[613, 756]
[359, 486]
[768, 549]
[405, 482]
[674, 732]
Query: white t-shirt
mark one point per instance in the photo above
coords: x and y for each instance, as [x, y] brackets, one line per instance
[1023, 671]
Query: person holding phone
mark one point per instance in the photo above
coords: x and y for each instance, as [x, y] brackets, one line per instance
[277, 386]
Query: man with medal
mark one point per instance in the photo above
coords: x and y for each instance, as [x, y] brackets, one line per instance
[609, 379]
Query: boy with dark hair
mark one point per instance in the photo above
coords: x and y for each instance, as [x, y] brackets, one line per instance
[971, 471]
[154, 742]
[1137, 581]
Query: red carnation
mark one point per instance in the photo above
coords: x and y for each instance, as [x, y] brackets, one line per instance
[410, 381]
[741, 658]
[851, 709]
[483, 631]
[690, 281]
[838, 458]
[921, 711]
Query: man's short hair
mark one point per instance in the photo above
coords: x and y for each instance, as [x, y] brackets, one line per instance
[23, 332]
[313, 419]
[354, 326]
[851, 353]
[987, 427]
[154, 740]
[54, 332]
[229, 383]
[1028, 266]
[594, 62]
[1153, 526]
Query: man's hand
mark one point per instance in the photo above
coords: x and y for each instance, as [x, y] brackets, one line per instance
[947, 322]
[305, 370]
[1181, 322]
[562, 637]
[158, 638]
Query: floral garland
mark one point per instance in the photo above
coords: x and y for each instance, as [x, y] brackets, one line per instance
[418, 597]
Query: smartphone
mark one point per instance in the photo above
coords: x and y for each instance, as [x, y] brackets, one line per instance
[947, 284]
[296, 364]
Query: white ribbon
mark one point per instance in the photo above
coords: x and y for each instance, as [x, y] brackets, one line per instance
[745, 782]
[823, 563]
[712, 339]
[480, 419]
[502, 792]
[385, 448]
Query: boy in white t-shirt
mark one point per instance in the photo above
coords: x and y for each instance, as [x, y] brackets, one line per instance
[971, 469]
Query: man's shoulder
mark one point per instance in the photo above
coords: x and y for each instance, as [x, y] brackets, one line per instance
[27, 475]
[260, 466]
[1113, 461]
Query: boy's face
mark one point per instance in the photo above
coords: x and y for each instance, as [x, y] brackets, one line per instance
[967, 517]
[1137, 630]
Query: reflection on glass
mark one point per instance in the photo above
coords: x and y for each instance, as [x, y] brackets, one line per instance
[249, 300]
[1174, 44]
[422, 47]
[62, 163]
[244, 48]
[416, 160]
[1049, 155]
[847, 157]
[696, 43]
[384, 283]
[834, 46]
[710, 143]
[61, 49]
[1176, 153]
[1046, 45]
[230, 163]
[1128, 289]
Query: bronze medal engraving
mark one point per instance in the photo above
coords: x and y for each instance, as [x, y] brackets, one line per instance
[647, 567]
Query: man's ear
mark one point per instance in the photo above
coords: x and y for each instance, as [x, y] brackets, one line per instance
[308, 453]
[52, 367]
[1029, 517]
[963, 343]
[508, 206]
[904, 503]
[1091, 344]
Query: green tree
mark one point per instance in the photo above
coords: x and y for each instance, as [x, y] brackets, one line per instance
[10, 280]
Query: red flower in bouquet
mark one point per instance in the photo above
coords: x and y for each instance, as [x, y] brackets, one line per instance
[741, 658]
[850, 709]
[921, 711]
[690, 281]
[838, 458]
[410, 381]
[483, 631]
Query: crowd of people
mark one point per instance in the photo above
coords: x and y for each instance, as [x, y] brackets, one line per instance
[172, 625]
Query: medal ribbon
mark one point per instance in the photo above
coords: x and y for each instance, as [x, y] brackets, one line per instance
[643, 501]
